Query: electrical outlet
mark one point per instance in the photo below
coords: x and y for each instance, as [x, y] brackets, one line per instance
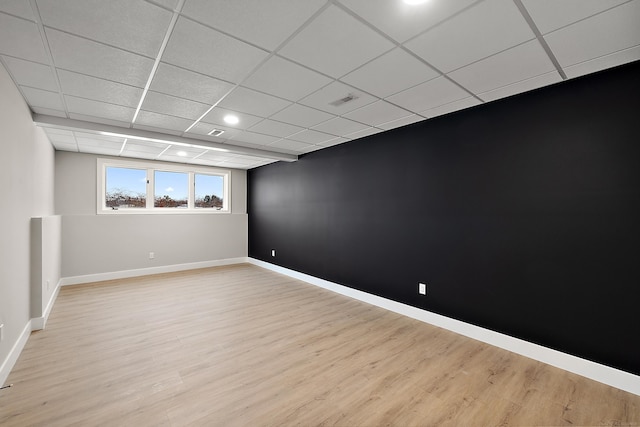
[273, 252]
[152, 255]
[422, 288]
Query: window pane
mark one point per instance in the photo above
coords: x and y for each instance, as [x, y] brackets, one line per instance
[209, 191]
[171, 189]
[126, 188]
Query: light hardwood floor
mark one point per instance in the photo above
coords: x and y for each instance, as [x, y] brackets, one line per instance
[242, 346]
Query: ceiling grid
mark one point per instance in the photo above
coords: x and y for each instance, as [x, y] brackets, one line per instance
[299, 76]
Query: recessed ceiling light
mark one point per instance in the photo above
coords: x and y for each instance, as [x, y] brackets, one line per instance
[231, 119]
[414, 2]
[181, 153]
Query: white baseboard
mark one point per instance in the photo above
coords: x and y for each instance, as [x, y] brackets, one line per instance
[586, 368]
[38, 323]
[12, 357]
[99, 277]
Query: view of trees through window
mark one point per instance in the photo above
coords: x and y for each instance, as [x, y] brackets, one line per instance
[171, 190]
[209, 191]
[125, 188]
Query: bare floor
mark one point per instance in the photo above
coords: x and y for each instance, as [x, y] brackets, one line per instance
[241, 346]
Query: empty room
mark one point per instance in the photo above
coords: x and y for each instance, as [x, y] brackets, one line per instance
[320, 212]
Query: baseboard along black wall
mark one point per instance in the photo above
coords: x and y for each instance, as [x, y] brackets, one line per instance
[521, 215]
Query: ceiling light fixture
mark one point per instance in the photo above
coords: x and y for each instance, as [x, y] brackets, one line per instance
[231, 119]
[415, 2]
[182, 153]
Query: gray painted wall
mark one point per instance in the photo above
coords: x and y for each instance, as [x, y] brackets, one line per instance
[93, 244]
[27, 176]
[45, 262]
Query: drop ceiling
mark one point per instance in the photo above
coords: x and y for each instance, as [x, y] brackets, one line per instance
[149, 79]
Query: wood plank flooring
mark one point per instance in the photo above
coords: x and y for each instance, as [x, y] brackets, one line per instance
[242, 346]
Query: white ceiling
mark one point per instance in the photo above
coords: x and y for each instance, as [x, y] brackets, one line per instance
[177, 67]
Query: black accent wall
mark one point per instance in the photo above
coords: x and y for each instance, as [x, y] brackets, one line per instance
[522, 216]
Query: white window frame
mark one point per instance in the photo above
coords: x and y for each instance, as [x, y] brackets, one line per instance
[151, 167]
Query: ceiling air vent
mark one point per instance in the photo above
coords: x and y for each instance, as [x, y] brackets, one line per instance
[344, 100]
[216, 132]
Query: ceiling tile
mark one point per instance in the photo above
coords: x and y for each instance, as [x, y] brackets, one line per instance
[273, 128]
[216, 117]
[484, 29]
[391, 73]
[172, 106]
[98, 150]
[285, 79]
[154, 148]
[181, 151]
[31, 74]
[187, 84]
[431, 94]
[134, 25]
[97, 89]
[550, 15]
[95, 59]
[64, 138]
[42, 98]
[323, 98]
[19, 8]
[162, 121]
[253, 138]
[252, 102]
[340, 126]
[92, 142]
[169, 4]
[608, 32]
[142, 150]
[292, 146]
[335, 43]
[377, 113]
[401, 122]
[302, 116]
[334, 141]
[450, 107]
[401, 21]
[99, 109]
[264, 23]
[55, 131]
[521, 86]
[196, 47]
[21, 39]
[618, 58]
[363, 133]
[311, 136]
[65, 147]
[96, 136]
[214, 156]
[507, 67]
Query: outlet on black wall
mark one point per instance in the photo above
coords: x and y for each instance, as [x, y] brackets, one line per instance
[521, 214]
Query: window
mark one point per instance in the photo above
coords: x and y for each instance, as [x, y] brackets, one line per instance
[171, 190]
[141, 187]
[125, 188]
[209, 191]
